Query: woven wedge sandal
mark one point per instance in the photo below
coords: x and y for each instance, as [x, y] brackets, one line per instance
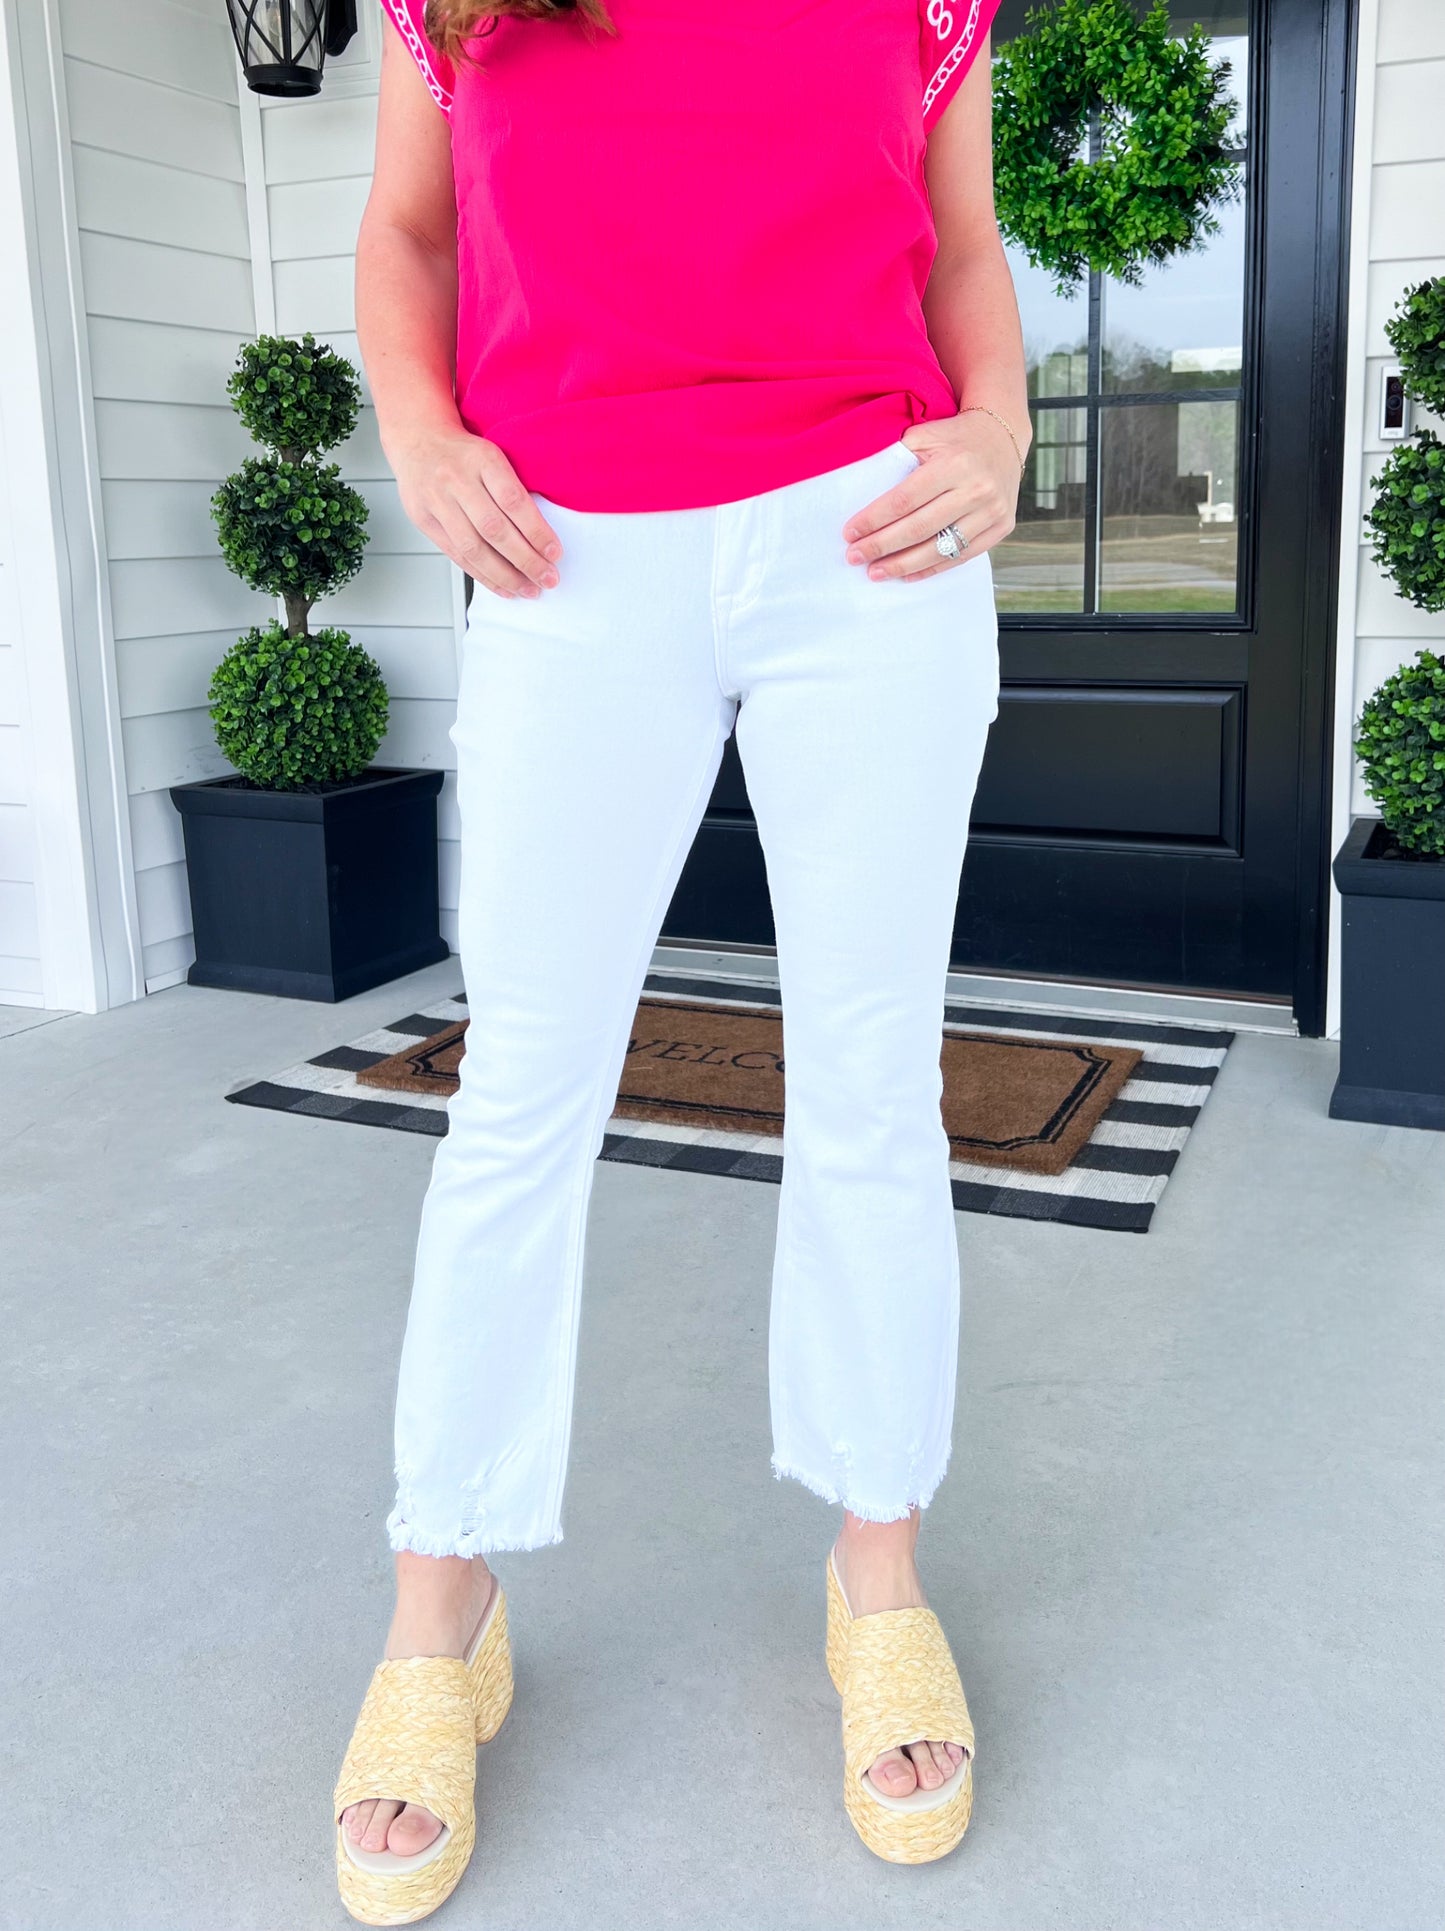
[416, 1741]
[899, 1684]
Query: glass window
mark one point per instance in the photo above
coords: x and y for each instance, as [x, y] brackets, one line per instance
[1041, 566]
[1180, 328]
[1169, 536]
[1129, 503]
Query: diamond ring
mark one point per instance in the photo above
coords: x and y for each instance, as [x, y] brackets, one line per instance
[950, 541]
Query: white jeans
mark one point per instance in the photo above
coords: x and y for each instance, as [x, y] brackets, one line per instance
[590, 725]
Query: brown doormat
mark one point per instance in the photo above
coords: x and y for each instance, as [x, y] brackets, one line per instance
[1007, 1101]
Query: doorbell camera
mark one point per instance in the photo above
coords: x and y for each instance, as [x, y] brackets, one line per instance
[1394, 405]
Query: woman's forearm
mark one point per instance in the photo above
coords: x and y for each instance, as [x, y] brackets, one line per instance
[406, 302]
[457, 487]
[972, 317]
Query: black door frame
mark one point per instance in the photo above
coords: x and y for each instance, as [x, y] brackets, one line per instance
[1329, 350]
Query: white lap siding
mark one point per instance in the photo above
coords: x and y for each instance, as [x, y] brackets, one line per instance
[160, 193]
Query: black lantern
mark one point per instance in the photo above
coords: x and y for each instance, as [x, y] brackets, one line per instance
[283, 44]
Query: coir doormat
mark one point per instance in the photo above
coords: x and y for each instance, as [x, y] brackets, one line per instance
[1007, 1102]
[1113, 1180]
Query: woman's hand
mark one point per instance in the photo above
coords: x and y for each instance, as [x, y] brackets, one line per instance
[463, 494]
[968, 475]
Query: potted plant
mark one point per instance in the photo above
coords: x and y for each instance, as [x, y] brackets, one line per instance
[1391, 875]
[313, 872]
[1391, 870]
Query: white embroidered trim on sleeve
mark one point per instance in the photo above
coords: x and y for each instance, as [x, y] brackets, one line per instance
[940, 18]
[422, 53]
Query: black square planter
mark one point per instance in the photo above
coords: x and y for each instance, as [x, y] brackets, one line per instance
[1392, 984]
[312, 895]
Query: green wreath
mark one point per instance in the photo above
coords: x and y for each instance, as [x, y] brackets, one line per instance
[1162, 115]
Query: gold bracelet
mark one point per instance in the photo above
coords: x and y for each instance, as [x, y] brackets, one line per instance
[982, 408]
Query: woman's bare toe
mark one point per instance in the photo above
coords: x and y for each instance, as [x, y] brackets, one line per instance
[921, 1766]
[373, 1835]
[379, 1824]
[894, 1774]
[412, 1831]
[356, 1817]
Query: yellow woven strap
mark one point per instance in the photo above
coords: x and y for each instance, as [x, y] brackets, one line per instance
[901, 1686]
[415, 1739]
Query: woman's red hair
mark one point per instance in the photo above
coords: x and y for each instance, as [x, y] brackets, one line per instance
[450, 24]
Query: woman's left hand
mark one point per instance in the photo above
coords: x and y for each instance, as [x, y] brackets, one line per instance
[968, 475]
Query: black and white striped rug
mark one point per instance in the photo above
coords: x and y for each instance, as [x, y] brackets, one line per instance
[1114, 1182]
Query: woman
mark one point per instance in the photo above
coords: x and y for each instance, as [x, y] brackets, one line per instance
[690, 334]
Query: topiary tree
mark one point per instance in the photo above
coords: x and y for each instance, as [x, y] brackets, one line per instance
[294, 396]
[292, 709]
[1416, 332]
[1400, 741]
[1407, 518]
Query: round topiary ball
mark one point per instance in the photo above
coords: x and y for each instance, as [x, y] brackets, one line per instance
[290, 529]
[293, 393]
[1407, 520]
[1400, 740]
[1416, 332]
[296, 711]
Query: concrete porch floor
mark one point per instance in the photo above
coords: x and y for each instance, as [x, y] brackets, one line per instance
[1189, 1552]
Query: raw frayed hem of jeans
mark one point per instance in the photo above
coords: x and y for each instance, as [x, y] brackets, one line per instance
[864, 1511]
[405, 1538]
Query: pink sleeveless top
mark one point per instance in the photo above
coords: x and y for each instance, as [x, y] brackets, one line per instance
[691, 258]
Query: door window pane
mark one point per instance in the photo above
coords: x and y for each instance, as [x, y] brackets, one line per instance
[1040, 566]
[1055, 330]
[1182, 327]
[1167, 478]
[1129, 507]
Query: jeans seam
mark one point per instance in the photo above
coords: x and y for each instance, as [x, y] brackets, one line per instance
[719, 643]
[783, 1263]
[563, 1393]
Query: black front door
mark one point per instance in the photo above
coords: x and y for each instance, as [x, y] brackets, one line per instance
[1152, 808]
